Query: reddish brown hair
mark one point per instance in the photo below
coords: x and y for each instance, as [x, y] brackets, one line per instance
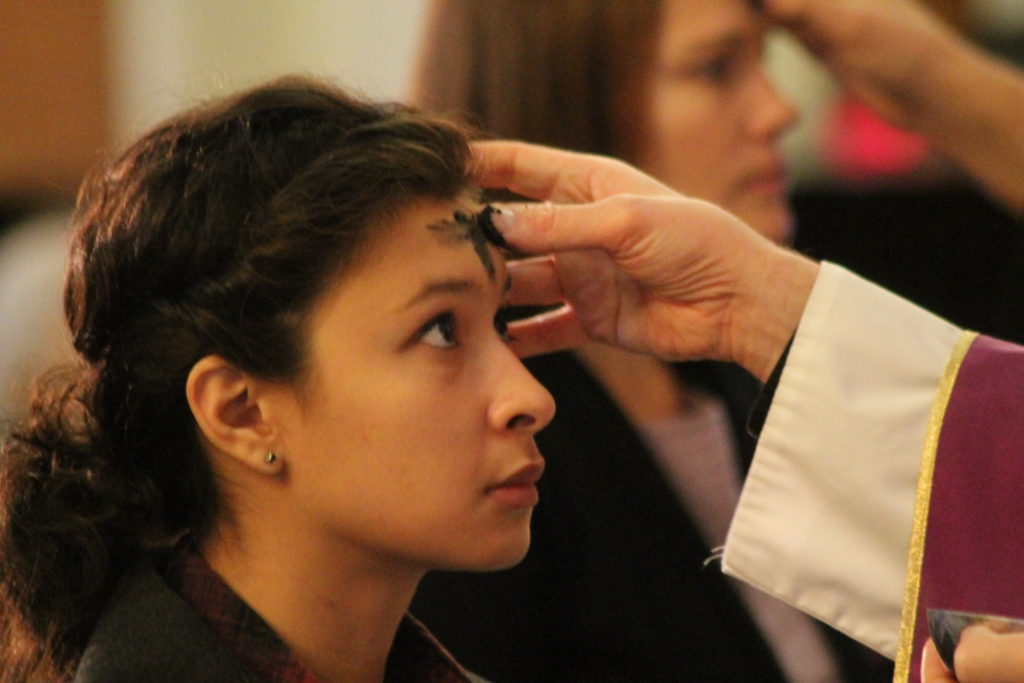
[560, 72]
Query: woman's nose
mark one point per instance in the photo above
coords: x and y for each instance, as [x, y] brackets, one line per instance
[771, 113]
[523, 404]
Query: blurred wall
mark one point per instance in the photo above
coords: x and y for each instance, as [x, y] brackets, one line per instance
[168, 53]
[54, 95]
[80, 77]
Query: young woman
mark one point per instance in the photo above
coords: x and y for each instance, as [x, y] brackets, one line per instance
[295, 397]
[645, 457]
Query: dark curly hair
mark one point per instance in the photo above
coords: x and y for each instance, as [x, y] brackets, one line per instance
[213, 234]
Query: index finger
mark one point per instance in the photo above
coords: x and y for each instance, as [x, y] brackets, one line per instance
[556, 175]
[933, 670]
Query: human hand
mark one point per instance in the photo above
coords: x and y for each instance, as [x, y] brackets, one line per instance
[886, 52]
[639, 265]
[983, 656]
[914, 70]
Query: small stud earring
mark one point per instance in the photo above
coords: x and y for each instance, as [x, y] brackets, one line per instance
[270, 458]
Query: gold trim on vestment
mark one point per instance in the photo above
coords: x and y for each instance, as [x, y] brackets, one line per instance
[922, 500]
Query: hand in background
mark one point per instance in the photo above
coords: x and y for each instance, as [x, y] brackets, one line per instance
[883, 51]
[911, 68]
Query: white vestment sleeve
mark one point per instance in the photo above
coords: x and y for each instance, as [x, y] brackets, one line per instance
[824, 519]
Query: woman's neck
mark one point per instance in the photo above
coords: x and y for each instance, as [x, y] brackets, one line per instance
[337, 612]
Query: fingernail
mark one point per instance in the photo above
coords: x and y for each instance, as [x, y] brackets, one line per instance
[485, 221]
[502, 221]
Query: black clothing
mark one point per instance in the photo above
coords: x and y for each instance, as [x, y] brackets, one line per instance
[614, 587]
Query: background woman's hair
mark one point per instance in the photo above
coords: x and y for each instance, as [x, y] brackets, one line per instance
[567, 73]
[213, 234]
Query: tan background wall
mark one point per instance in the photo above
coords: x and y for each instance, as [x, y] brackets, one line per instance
[79, 77]
[54, 92]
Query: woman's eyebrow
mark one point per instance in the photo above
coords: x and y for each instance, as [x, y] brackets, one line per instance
[449, 286]
[731, 41]
[439, 288]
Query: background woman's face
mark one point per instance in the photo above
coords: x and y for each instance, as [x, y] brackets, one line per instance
[710, 120]
[415, 411]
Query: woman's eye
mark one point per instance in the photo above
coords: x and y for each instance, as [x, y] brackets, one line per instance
[440, 331]
[501, 324]
[716, 70]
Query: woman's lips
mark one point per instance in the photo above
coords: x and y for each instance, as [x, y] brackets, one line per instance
[520, 489]
[771, 181]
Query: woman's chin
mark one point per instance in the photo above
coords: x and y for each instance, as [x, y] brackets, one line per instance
[771, 216]
[504, 555]
[507, 557]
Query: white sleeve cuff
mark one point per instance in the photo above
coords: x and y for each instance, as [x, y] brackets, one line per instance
[824, 519]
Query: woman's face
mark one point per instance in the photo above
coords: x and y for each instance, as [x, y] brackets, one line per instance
[411, 437]
[710, 120]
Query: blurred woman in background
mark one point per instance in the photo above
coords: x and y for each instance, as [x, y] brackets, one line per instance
[645, 457]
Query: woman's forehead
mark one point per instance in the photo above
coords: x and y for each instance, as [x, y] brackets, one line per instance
[705, 24]
[477, 228]
[429, 240]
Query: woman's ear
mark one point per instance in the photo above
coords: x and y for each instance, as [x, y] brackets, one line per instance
[224, 403]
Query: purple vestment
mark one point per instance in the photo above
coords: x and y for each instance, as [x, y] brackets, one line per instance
[974, 544]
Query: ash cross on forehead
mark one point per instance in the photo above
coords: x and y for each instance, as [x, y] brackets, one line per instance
[478, 228]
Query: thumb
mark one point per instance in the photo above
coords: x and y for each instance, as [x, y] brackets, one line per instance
[984, 655]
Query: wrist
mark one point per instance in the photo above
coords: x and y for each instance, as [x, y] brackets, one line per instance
[768, 309]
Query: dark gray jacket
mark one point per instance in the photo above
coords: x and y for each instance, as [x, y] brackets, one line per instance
[149, 634]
